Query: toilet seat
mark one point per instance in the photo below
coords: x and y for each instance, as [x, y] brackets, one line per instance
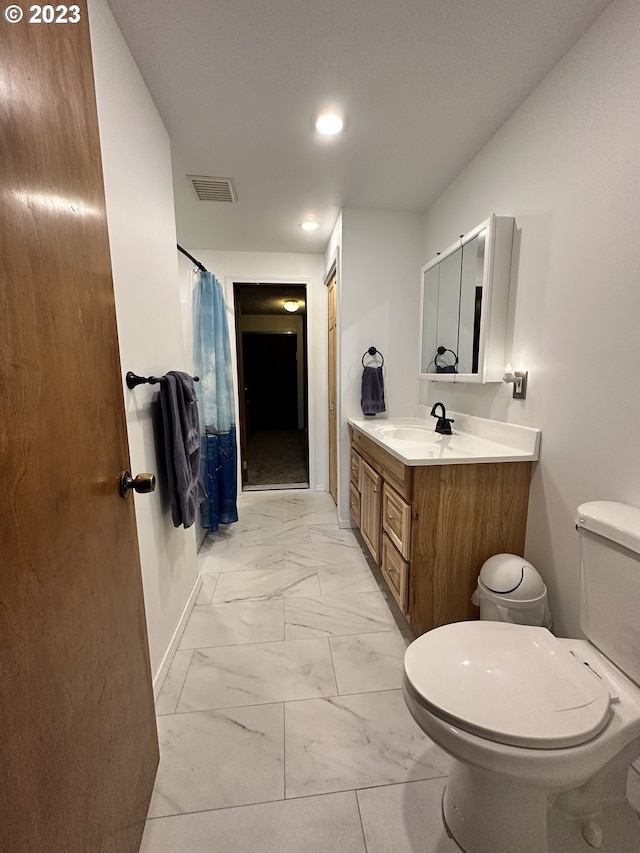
[513, 684]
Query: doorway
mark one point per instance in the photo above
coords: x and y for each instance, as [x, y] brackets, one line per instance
[271, 338]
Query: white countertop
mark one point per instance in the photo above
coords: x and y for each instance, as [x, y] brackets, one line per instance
[473, 440]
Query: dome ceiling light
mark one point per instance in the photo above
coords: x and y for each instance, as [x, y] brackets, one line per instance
[309, 225]
[329, 124]
[291, 305]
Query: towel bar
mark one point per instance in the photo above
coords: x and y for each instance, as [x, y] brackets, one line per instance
[134, 380]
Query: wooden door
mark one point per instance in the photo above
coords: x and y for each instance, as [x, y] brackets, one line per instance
[370, 509]
[333, 388]
[78, 728]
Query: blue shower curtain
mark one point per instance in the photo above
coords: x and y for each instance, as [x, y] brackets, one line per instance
[212, 358]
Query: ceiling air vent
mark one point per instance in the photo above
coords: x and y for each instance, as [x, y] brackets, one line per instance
[213, 189]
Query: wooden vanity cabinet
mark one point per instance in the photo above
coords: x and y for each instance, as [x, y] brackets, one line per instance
[430, 528]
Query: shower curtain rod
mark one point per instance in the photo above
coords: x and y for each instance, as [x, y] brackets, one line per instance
[200, 266]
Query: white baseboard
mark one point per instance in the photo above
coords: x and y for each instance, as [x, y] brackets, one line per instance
[345, 525]
[177, 634]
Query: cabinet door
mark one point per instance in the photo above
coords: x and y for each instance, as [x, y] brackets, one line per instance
[465, 291]
[370, 509]
[470, 310]
[355, 465]
[354, 504]
[440, 312]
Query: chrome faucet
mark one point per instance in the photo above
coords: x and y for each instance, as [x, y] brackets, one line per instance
[444, 423]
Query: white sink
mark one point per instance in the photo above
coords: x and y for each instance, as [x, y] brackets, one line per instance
[414, 441]
[414, 433]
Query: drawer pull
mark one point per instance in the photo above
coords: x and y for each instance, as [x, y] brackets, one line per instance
[391, 517]
[354, 467]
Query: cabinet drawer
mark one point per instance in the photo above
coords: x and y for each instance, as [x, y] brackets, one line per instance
[395, 571]
[356, 467]
[396, 520]
[354, 504]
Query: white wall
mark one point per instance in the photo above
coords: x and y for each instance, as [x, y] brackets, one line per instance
[378, 305]
[139, 193]
[291, 268]
[567, 166]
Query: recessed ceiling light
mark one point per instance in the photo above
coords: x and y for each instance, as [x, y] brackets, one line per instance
[291, 305]
[329, 124]
[309, 225]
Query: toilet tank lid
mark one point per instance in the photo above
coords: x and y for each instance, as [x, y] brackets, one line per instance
[615, 521]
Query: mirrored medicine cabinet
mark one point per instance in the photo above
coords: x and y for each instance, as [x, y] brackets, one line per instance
[465, 291]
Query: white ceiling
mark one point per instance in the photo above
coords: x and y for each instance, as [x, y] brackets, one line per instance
[424, 85]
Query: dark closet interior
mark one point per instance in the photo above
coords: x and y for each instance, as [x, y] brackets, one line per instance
[272, 382]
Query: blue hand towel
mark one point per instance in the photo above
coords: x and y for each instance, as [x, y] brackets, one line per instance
[372, 397]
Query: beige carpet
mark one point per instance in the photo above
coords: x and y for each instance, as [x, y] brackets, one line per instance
[278, 457]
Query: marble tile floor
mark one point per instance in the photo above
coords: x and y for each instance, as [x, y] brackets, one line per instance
[281, 721]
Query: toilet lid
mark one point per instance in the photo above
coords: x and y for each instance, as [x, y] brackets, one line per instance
[514, 684]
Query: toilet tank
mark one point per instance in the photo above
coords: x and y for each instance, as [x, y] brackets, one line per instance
[610, 581]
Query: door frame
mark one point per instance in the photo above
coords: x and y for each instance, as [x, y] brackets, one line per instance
[332, 390]
[334, 270]
[313, 407]
[240, 397]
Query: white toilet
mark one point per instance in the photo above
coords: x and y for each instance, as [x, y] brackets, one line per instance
[542, 730]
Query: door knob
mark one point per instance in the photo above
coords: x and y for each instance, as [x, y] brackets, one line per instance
[143, 484]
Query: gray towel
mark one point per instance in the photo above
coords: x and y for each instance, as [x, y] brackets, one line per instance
[372, 397]
[182, 446]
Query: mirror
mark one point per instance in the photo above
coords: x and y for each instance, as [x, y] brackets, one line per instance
[440, 312]
[464, 290]
[471, 286]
